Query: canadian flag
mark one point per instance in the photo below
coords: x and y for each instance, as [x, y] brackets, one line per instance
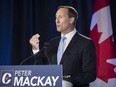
[101, 34]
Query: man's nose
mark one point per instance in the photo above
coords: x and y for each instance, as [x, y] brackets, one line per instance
[57, 20]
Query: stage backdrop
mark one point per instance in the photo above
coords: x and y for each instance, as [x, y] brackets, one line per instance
[20, 19]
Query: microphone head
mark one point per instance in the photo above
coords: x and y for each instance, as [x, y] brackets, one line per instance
[45, 45]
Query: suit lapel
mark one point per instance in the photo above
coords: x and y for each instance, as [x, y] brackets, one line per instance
[54, 50]
[69, 47]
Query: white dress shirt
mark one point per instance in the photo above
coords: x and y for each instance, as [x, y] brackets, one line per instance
[69, 37]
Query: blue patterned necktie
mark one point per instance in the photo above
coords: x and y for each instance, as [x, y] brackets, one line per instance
[60, 49]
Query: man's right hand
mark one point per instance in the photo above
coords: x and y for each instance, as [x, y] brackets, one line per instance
[34, 41]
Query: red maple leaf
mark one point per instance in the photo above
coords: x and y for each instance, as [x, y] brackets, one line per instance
[104, 51]
[6, 78]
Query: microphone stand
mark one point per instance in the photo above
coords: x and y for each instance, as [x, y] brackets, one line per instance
[38, 53]
[28, 58]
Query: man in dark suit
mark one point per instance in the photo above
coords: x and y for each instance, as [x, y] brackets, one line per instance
[79, 56]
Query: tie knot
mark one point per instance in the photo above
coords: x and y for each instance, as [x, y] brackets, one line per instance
[63, 38]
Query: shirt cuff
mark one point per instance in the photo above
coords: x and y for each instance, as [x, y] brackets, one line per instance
[35, 51]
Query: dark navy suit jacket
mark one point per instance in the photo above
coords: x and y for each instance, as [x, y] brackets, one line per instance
[78, 61]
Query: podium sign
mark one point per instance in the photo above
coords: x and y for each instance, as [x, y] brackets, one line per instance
[31, 76]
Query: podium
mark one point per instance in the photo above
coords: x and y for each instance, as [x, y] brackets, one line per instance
[31, 76]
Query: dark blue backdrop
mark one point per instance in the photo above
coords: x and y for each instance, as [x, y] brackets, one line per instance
[20, 19]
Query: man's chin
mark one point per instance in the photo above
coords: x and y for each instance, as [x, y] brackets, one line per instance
[59, 30]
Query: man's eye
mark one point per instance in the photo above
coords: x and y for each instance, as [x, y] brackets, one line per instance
[60, 17]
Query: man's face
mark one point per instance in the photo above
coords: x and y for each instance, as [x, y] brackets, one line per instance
[62, 20]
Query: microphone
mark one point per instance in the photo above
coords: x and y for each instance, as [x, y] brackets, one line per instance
[38, 53]
[45, 48]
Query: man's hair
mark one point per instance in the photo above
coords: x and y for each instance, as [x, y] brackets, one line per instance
[72, 12]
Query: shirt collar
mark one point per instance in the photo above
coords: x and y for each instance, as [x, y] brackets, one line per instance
[70, 34]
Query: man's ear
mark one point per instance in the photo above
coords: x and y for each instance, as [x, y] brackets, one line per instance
[72, 20]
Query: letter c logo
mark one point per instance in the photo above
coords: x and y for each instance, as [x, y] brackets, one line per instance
[6, 78]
